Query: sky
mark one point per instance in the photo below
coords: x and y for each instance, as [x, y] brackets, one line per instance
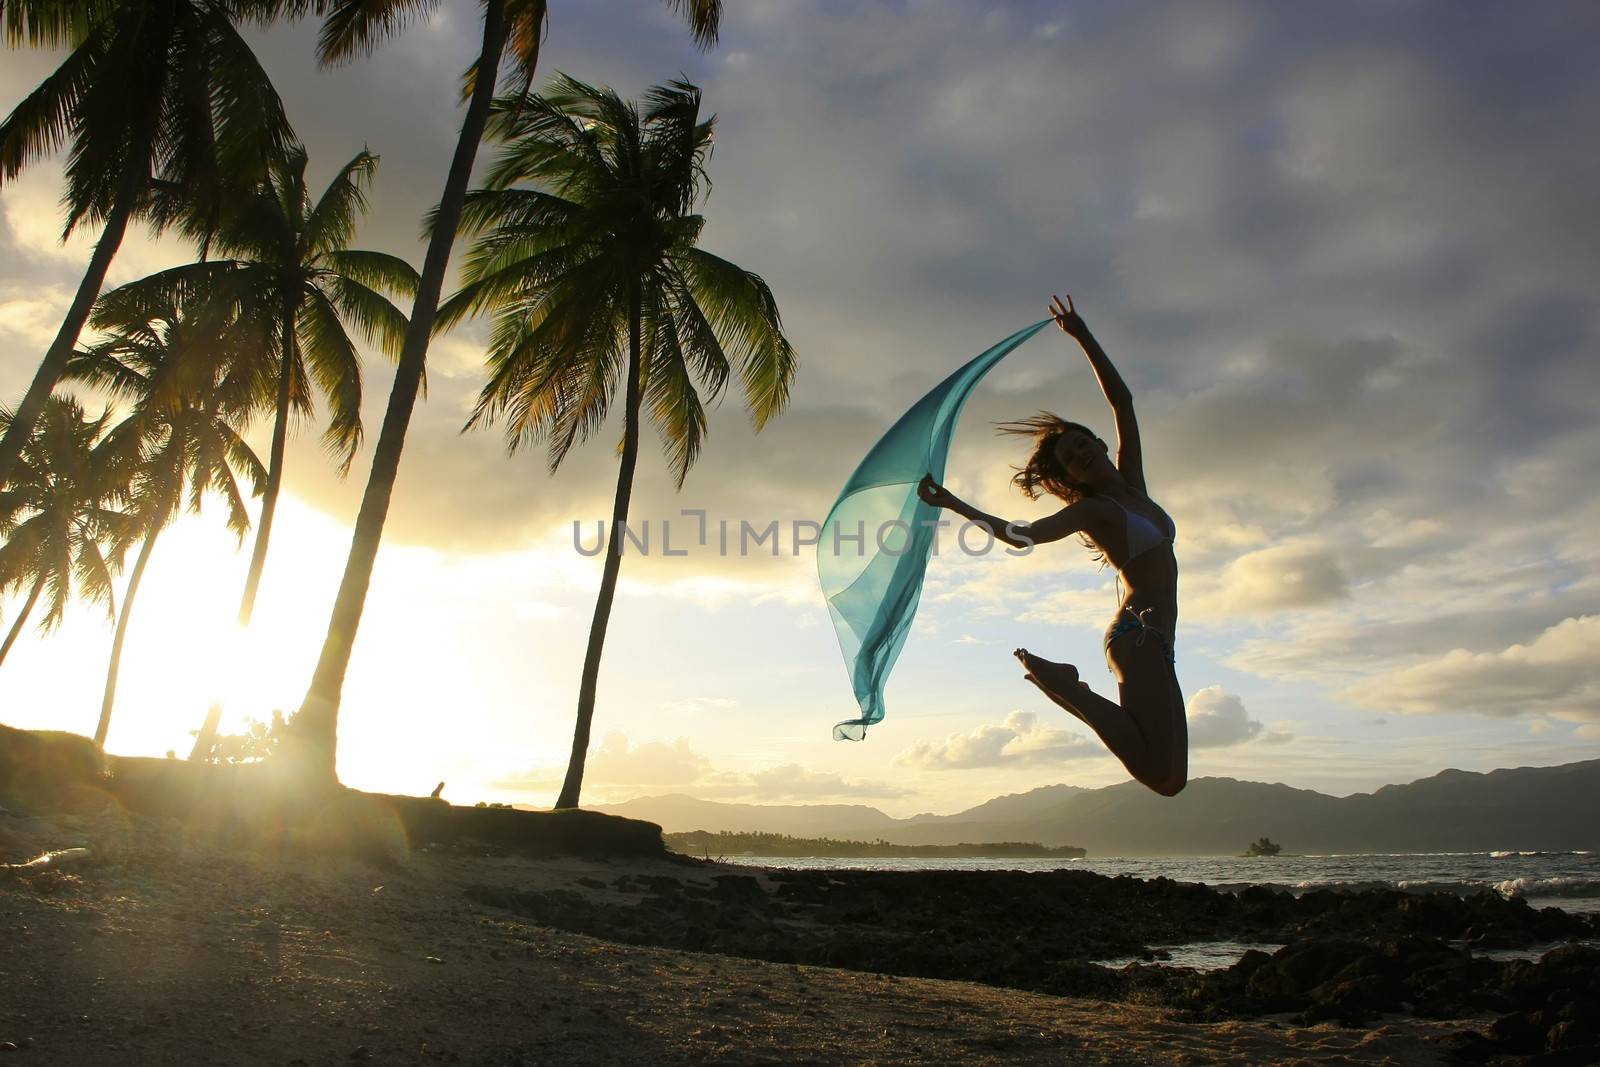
[1343, 254]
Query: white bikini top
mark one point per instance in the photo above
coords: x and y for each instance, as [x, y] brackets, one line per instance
[1143, 535]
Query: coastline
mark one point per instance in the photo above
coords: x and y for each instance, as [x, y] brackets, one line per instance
[164, 948]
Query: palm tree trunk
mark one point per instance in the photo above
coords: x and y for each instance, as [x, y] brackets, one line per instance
[608, 576]
[316, 725]
[280, 437]
[122, 631]
[54, 364]
[205, 739]
[22, 617]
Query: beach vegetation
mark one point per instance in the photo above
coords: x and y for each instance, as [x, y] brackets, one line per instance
[1263, 846]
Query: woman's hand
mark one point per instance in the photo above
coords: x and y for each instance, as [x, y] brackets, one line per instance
[1067, 318]
[933, 493]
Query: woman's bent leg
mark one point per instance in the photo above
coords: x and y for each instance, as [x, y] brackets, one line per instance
[1152, 699]
[1143, 742]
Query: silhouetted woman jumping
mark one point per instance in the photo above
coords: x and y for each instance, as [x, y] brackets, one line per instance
[1148, 730]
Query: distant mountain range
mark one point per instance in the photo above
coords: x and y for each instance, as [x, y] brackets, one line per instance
[1525, 808]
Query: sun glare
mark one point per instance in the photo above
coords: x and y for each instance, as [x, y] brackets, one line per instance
[440, 686]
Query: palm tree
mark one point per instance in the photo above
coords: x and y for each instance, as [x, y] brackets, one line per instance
[354, 26]
[592, 274]
[152, 91]
[192, 391]
[56, 516]
[293, 260]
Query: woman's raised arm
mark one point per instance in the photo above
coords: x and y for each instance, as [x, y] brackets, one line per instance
[1069, 520]
[1130, 455]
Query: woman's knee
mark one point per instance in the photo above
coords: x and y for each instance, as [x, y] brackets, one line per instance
[1166, 773]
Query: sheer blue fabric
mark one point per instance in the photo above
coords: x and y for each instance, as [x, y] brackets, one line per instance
[876, 540]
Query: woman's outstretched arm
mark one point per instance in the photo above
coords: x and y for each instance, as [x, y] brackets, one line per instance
[1069, 520]
[1130, 455]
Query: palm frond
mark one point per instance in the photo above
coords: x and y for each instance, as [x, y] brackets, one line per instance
[375, 270]
[58, 581]
[39, 125]
[158, 295]
[335, 366]
[702, 348]
[332, 222]
[669, 389]
[354, 27]
[526, 23]
[741, 308]
[116, 120]
[99, 366]
[704, 17]
[536, 353]
[496, 276]
[187, 140]
[585, 389]
[52, 25]
[91, 571]
[379, 321]
[251, 126]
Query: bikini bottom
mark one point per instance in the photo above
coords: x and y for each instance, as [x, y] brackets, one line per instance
[1133, 622]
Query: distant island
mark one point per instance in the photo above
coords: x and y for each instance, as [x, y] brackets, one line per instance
[727, 843]
[1263, 847]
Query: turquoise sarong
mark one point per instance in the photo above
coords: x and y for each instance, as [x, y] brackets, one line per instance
[875, 542]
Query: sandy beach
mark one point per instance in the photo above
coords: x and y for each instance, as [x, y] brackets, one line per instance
[156, 949]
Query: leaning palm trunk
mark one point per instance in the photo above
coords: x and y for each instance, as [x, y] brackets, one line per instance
[122, 632]
[280, 437]
[54, 364]
[608, 576]
[205, 739]
[315, 734]
[22, 617]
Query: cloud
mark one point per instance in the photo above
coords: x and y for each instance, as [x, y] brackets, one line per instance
[1557, 673]
[653, 763]
[1279, 578]
[619, 768]
[31, 315]
[790, 781]
[1218, 718]
[617, 764]
[1020, 741]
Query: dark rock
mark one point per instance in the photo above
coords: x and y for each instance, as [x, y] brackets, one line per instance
[742, 890]
[1468, 1046]
[1517, 1032]
[1570, 1034]
[1298, 968]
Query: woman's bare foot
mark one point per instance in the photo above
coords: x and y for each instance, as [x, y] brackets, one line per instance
[1055, 680]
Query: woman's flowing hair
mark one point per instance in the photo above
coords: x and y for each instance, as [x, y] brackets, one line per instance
[1044, 473]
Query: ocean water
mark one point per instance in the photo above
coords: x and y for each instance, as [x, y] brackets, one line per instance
[1566, 880]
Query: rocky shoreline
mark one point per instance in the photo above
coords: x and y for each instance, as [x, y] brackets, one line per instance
[196, 897]
[1349, 958]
